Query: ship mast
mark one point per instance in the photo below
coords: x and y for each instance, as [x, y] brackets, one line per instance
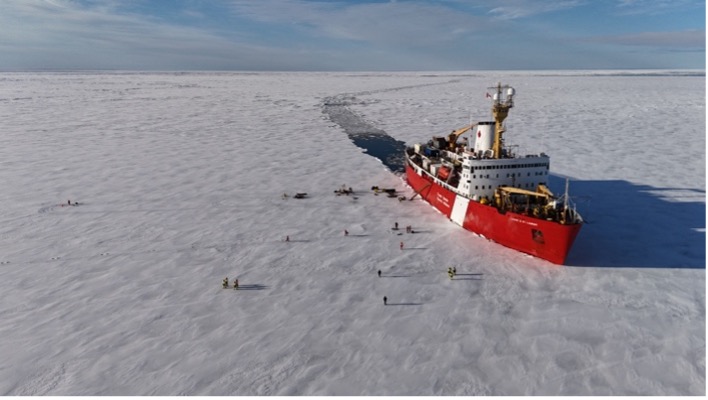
[500, 109]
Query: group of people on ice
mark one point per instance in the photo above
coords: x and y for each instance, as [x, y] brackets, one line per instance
[225, 283]
[451, 272]
[69, 203]
[409, 229]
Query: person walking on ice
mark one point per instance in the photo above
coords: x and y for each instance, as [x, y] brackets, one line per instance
[235, 284]
[225, 282]
[385, 300]
[401, 246]
[379, 273]
[346, 232]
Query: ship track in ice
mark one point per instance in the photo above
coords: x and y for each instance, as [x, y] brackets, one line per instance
[374, 141]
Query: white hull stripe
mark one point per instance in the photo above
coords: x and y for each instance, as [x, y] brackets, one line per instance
[459, 210]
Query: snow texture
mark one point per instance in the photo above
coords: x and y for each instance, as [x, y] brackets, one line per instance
[180, 177]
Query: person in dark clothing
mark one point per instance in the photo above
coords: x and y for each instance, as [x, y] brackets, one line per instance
[385, 300]
[225, 283]
[379, 273]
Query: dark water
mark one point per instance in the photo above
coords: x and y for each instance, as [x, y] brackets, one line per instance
[374, 141]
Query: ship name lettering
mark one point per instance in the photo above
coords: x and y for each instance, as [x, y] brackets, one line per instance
[442, 199]
[523, 222]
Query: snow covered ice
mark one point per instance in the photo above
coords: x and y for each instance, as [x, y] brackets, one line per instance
[180, 178]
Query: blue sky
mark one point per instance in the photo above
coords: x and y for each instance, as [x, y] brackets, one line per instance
[305, 35]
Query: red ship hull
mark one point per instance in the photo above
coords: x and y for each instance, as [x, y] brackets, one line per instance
[543, 239]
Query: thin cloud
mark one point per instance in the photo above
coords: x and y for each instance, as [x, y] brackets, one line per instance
[71, 35]
[656, 7]
[515, 9]
[409, 23]
[307, 35]
[690, 39]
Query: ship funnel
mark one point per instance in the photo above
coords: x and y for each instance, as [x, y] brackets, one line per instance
[484, 137]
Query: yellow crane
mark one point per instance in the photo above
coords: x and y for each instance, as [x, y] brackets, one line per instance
[452, 137]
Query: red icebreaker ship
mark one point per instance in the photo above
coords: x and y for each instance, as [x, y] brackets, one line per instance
[481, 185]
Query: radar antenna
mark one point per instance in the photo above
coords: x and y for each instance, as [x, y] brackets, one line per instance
[502, 102]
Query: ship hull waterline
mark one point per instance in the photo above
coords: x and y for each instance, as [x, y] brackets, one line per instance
[548, 240]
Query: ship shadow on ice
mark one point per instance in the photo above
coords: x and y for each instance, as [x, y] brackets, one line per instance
[630, 225]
